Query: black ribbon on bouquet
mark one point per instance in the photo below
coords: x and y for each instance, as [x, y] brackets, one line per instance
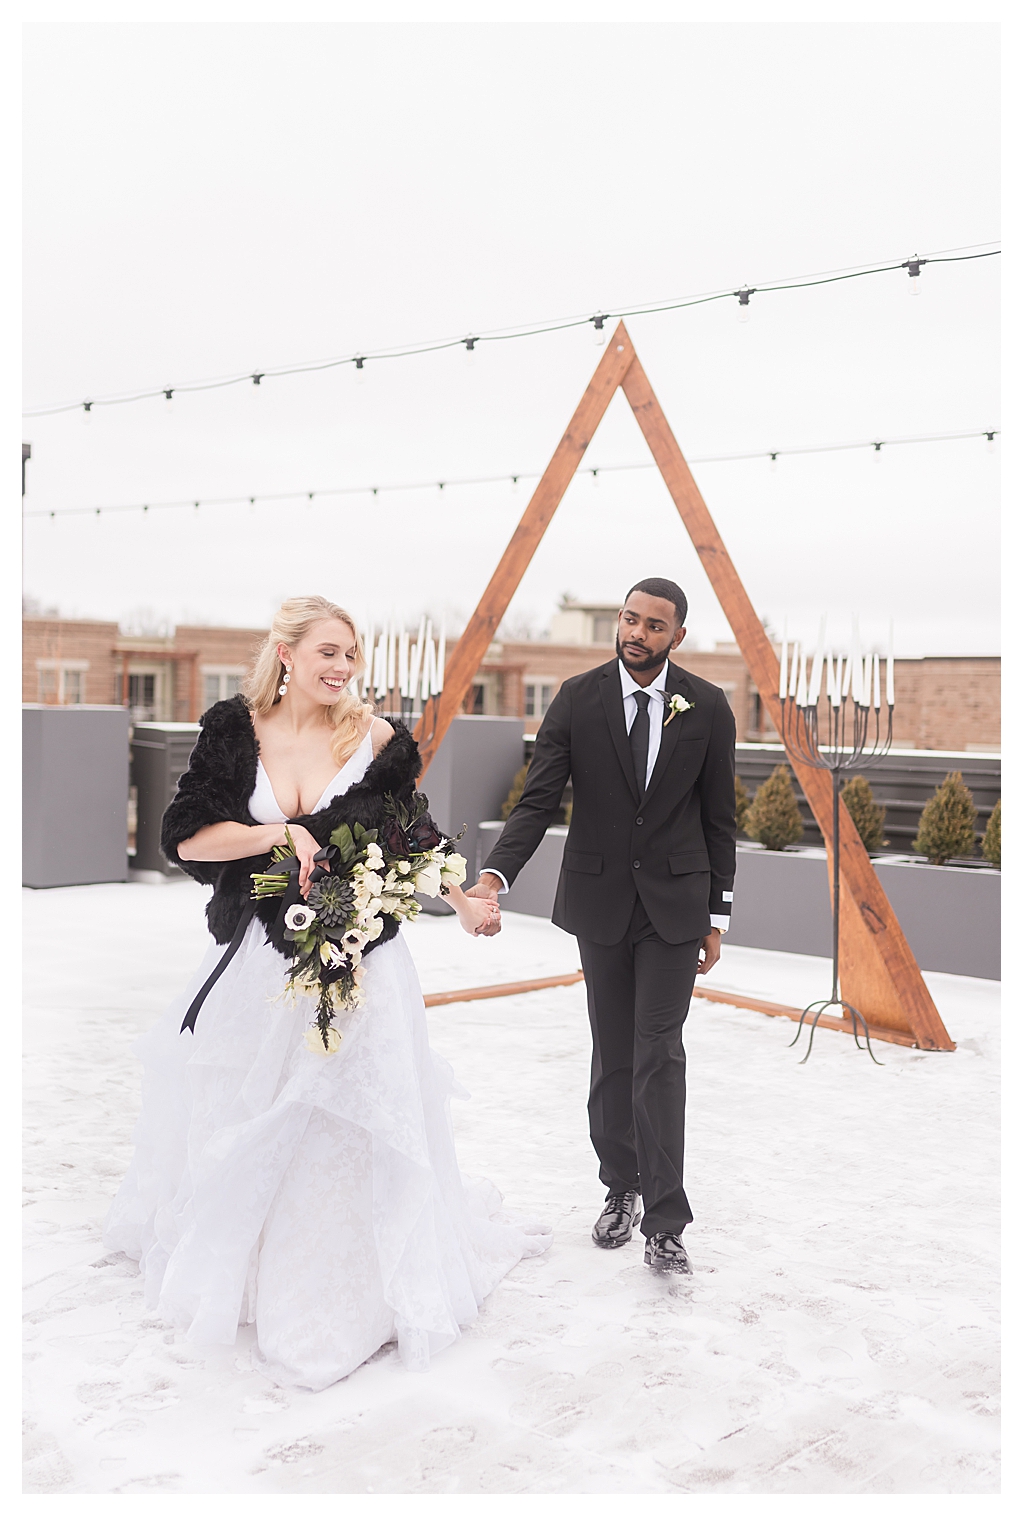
[275, 933]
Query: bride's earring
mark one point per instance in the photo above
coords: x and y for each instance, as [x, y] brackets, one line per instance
[284, 687]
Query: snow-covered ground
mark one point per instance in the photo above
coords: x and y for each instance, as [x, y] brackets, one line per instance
[838, 1334]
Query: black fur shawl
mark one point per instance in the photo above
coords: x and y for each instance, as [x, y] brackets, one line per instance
[218, 784]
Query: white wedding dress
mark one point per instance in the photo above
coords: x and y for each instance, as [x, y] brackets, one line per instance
[318, 1197]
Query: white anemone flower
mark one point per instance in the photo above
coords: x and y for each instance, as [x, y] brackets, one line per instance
[299, 918]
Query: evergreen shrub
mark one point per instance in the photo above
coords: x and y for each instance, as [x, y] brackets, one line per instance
[742, 804]
[991, 846]
[773, 819]
[867, 816]
[948, 824]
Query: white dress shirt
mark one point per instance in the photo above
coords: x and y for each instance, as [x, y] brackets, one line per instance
[656, 707]
[630, 689]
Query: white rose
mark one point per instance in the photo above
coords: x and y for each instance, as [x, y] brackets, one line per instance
[298, 918]
[453, 869]
[373, 931]
[374, 853]
[314, 1041]
[428, 880]
[403, 866]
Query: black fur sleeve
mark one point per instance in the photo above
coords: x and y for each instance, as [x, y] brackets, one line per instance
[217, 784]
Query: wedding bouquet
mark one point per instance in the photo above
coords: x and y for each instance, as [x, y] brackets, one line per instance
[361, 883]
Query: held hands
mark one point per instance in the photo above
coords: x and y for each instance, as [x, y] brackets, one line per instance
[477, 912]
[711, 951]
[487, 889]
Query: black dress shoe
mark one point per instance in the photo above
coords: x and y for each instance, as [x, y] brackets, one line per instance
[615, 1223]
[664, 1251]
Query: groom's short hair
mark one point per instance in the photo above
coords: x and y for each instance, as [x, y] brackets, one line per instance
[664, 589]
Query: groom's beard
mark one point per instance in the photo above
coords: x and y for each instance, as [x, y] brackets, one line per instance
[643, 665]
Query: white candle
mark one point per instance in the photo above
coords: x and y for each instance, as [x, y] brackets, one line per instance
[392, 652]
[802, 697]
[877, 683]
[427, 664]
[890, 670]
[783, 673]
[441, 654]
[814, 692]
[403, 665]
[794, 671]
[417, 658]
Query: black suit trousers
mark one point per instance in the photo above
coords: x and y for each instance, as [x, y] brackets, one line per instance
[638, 992]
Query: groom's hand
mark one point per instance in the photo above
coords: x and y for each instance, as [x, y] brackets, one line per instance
[487, 887]
[711, 951]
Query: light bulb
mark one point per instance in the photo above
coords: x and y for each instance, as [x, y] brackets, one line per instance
[913, 267]
[744, 295]
[168, 396]
[599, 335]
[86, 412]
[596, 478]
[470, 350]
[360, 370]
[774, 463]
[990, 441]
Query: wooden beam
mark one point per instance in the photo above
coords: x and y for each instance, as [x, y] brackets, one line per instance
[471, 647]
[879, 973]
[719, 997]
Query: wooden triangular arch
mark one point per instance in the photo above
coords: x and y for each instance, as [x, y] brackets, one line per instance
[879, 973]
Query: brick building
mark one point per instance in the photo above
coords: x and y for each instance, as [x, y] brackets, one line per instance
[159, 678]
[942, 703]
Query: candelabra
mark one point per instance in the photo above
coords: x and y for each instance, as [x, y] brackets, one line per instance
[850, 734]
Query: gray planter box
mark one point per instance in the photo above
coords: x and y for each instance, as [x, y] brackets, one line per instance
[951, 916]
[469, 779]
[533, 892]
[160, 751]
[75, 795]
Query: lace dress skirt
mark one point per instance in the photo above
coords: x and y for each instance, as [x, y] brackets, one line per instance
[318, 1197]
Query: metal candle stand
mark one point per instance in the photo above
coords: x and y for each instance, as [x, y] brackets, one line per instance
[853, 736]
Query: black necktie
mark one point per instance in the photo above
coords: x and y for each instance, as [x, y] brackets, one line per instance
[639, 739]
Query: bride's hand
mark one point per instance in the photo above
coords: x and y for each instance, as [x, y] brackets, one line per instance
[306, 847]
[482, 918]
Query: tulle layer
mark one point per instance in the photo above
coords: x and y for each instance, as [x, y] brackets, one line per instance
[318, 1197]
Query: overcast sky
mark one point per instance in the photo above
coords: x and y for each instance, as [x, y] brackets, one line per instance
[212, 199]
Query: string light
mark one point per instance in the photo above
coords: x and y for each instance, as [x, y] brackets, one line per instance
[914, 265]
[360, 370]
[607, 468]
[990, 441]
[599, 334]
[507, 334]
[168, 396]
[774, 463]
[470, 348]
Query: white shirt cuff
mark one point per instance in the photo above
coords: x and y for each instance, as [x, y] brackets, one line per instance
[721, 922]
[497, 875]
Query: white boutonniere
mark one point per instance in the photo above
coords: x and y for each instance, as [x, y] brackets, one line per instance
[676, 706]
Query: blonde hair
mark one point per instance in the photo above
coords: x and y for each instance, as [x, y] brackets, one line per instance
[293, 621]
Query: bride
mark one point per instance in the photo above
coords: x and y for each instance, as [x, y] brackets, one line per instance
[317, 1196]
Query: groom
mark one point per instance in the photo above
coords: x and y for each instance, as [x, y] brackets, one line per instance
[645, 887]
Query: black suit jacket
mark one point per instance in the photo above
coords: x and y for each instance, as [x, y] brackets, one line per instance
[676, 846]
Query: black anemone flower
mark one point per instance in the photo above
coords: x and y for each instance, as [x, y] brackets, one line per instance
[333, 900]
